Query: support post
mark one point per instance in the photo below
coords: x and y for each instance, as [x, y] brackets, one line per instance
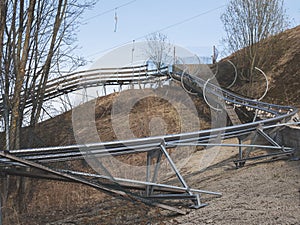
[241, 162]
[240, 149]
[148, 171]
[150, 156]
[155, 173]
[104, 89]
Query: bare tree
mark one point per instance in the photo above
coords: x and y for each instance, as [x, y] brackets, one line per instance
[36, 38]
[248, 23]
[158, 49]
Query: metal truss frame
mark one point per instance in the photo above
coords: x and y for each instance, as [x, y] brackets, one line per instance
[153, 193]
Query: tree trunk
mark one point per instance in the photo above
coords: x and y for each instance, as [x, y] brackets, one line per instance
[61, 8]
[20, 74]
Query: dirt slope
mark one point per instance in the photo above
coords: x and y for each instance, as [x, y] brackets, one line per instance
[281, 68]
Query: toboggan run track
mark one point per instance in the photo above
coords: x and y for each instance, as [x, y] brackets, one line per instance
[271, 117]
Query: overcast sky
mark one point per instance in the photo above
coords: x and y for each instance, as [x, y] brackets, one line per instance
[192, 24]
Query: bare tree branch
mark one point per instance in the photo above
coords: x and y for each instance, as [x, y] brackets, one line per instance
[36, 38]
[159, 49]
[248, 23]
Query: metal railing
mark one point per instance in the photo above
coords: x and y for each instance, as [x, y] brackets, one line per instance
[95, 77]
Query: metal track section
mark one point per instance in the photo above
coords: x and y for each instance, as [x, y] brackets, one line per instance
[94, 78]
[42, 161]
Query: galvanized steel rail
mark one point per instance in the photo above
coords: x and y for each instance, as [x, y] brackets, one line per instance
[95, 77]
[269, 114]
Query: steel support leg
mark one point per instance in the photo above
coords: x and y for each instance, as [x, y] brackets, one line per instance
[182, 181]
[240, 149]
[197, 202]
[241, 161]
[154, 179]
[148, 172]
[259, 131]
[150, 156]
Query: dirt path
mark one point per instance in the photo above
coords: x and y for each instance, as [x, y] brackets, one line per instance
[260, 193]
